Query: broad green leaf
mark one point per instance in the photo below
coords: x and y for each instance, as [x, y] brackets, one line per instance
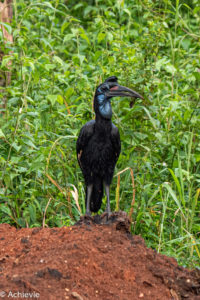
[52, 99]
[85, 37]
[58, 60]
[2, 135]
[170, 68]
[16, 147]
[178, 185]
[7, 27]
[30, 143]
[32, 211]
[6, 210]
[60, 99]
[101, 36]
[173, 195]
[68, 37]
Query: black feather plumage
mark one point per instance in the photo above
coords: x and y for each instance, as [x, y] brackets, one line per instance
[98, 145]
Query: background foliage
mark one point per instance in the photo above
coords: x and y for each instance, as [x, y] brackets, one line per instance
[61, 52]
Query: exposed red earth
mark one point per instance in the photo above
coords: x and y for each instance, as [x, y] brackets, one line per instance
[89, 261]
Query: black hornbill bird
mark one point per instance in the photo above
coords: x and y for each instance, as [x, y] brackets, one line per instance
[98, 145]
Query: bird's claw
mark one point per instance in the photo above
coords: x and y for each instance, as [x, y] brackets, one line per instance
[106, 214]
[88, 213]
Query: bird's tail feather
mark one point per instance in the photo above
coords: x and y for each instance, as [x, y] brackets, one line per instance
[97, 195]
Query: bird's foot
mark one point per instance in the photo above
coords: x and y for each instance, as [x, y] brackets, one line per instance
[88, 213]
[86, 218]
[106, 214]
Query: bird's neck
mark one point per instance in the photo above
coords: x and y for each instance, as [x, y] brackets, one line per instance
[104, 106]
[103, 125]
[103, 111]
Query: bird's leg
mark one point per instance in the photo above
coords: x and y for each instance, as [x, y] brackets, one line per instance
[107, 190]
[89, 193]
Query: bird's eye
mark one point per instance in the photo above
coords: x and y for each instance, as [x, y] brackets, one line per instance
[103, 88]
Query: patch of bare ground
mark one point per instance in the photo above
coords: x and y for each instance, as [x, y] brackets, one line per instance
[95, 259]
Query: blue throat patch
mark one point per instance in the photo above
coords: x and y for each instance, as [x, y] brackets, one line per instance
[105, 108]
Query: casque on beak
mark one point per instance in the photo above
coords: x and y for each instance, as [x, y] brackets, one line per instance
[122, 91]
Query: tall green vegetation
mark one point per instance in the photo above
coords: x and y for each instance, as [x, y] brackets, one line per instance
[62, 50]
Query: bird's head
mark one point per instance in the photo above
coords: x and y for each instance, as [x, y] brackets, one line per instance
[105, 91]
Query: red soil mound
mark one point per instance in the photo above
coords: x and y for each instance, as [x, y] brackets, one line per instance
[89, 261]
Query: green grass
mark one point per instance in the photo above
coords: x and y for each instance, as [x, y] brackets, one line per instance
[61, 52]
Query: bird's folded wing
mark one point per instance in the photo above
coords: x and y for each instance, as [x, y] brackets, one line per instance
[115, 138]
[84, 136]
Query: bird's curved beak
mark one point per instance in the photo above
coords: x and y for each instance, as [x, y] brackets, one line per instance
[122, 91]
